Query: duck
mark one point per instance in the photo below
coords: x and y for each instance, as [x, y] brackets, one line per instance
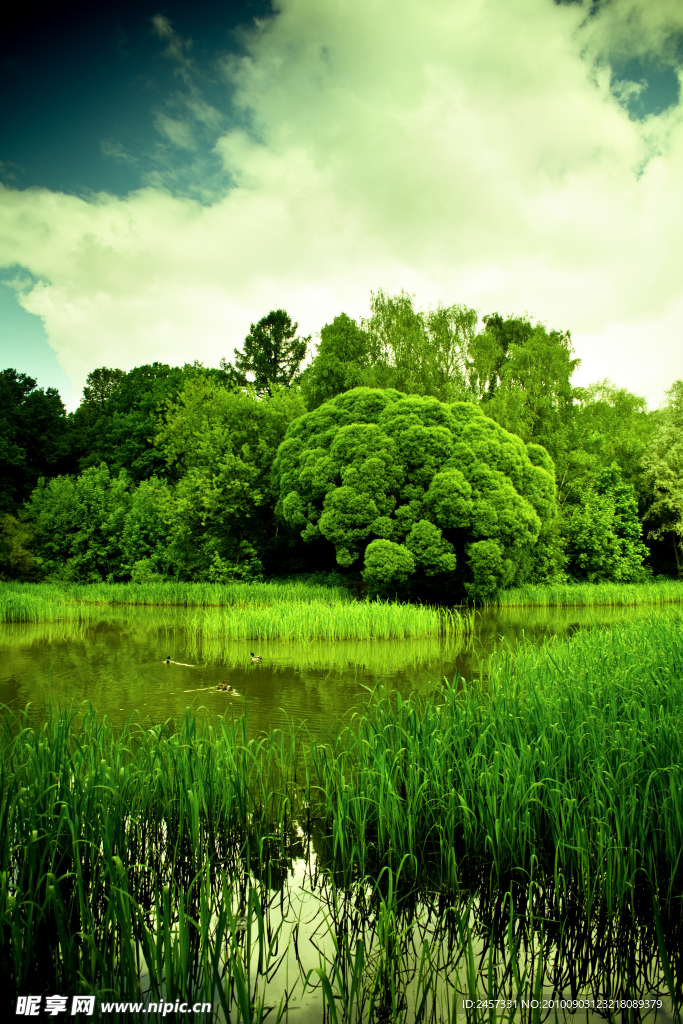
[168, 660]
[256, 657]
[225, 687]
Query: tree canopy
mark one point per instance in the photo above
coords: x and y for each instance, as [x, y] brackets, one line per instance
[120, 414]
[272, 354]
[415, 488]
[663, 475]
[209, 517]
[34, 437]
[188, 451]
[342, 362]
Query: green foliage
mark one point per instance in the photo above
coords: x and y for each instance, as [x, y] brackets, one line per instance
[341, 362]
[663, 475]
[414, 351]
[417, 352]
[146, 531]
[609, 425]
[491, 572]
[272, 354]
[34, 437]
[101, 384]
[210, 519]
[604, 533]
[429, 549]
[220, 445]
[17, 559]
[388, 567]
[412, 479]
[522, 374]
[197, 446]
[120, 415]
[79, 524]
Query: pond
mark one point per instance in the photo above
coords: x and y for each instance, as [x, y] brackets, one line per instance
[116, 660]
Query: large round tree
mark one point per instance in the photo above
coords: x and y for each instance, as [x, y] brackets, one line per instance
[418, 489]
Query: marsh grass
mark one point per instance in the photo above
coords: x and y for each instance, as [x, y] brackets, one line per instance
[246, 612]
[119, 854]
[538, 812]
[331, 621]
[34, 596]
[587, 594]
[564, 760]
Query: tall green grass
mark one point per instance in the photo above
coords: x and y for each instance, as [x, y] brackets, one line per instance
[587, 594]
[169, 594]
[261, 612]
[538, 812]
[565, 759]
[118, 856]
[333, 620]
[158, 864]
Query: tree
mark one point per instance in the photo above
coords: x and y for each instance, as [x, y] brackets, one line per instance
[220, 444]
[663, 475]
[604, 534]
[451, 331]
[120, 415]
[35, 438]
[271, 353]
[609, 425]
[79, 523]
[101, 384]
[522, 375]
[17, 559]
[341, 362]
[427, 479]
[423, 353]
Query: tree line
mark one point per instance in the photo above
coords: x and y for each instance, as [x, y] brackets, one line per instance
[432, 454]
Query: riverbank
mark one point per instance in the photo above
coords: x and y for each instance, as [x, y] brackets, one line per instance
[539, 805]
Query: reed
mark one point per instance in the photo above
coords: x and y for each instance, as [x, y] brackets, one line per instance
[459, 840]
[117, 854]
[588, 594]
[563, 759]
[248, 612]
[330, 621]
[32, 596]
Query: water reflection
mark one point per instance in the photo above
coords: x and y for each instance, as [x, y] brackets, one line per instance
[117, 661]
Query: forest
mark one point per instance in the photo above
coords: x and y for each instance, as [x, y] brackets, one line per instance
[431, 455]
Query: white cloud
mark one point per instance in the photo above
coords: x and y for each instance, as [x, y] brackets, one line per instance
[176, 131]
[117, 151]
[469, 152]
[628, 29]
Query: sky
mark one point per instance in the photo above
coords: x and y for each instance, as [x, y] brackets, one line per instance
[169, 173]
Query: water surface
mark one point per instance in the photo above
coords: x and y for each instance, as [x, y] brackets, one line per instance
[117, 662]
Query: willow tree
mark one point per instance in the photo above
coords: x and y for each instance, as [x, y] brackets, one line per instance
[413, 489]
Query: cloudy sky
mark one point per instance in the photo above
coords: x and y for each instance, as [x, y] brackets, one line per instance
[171, 172]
